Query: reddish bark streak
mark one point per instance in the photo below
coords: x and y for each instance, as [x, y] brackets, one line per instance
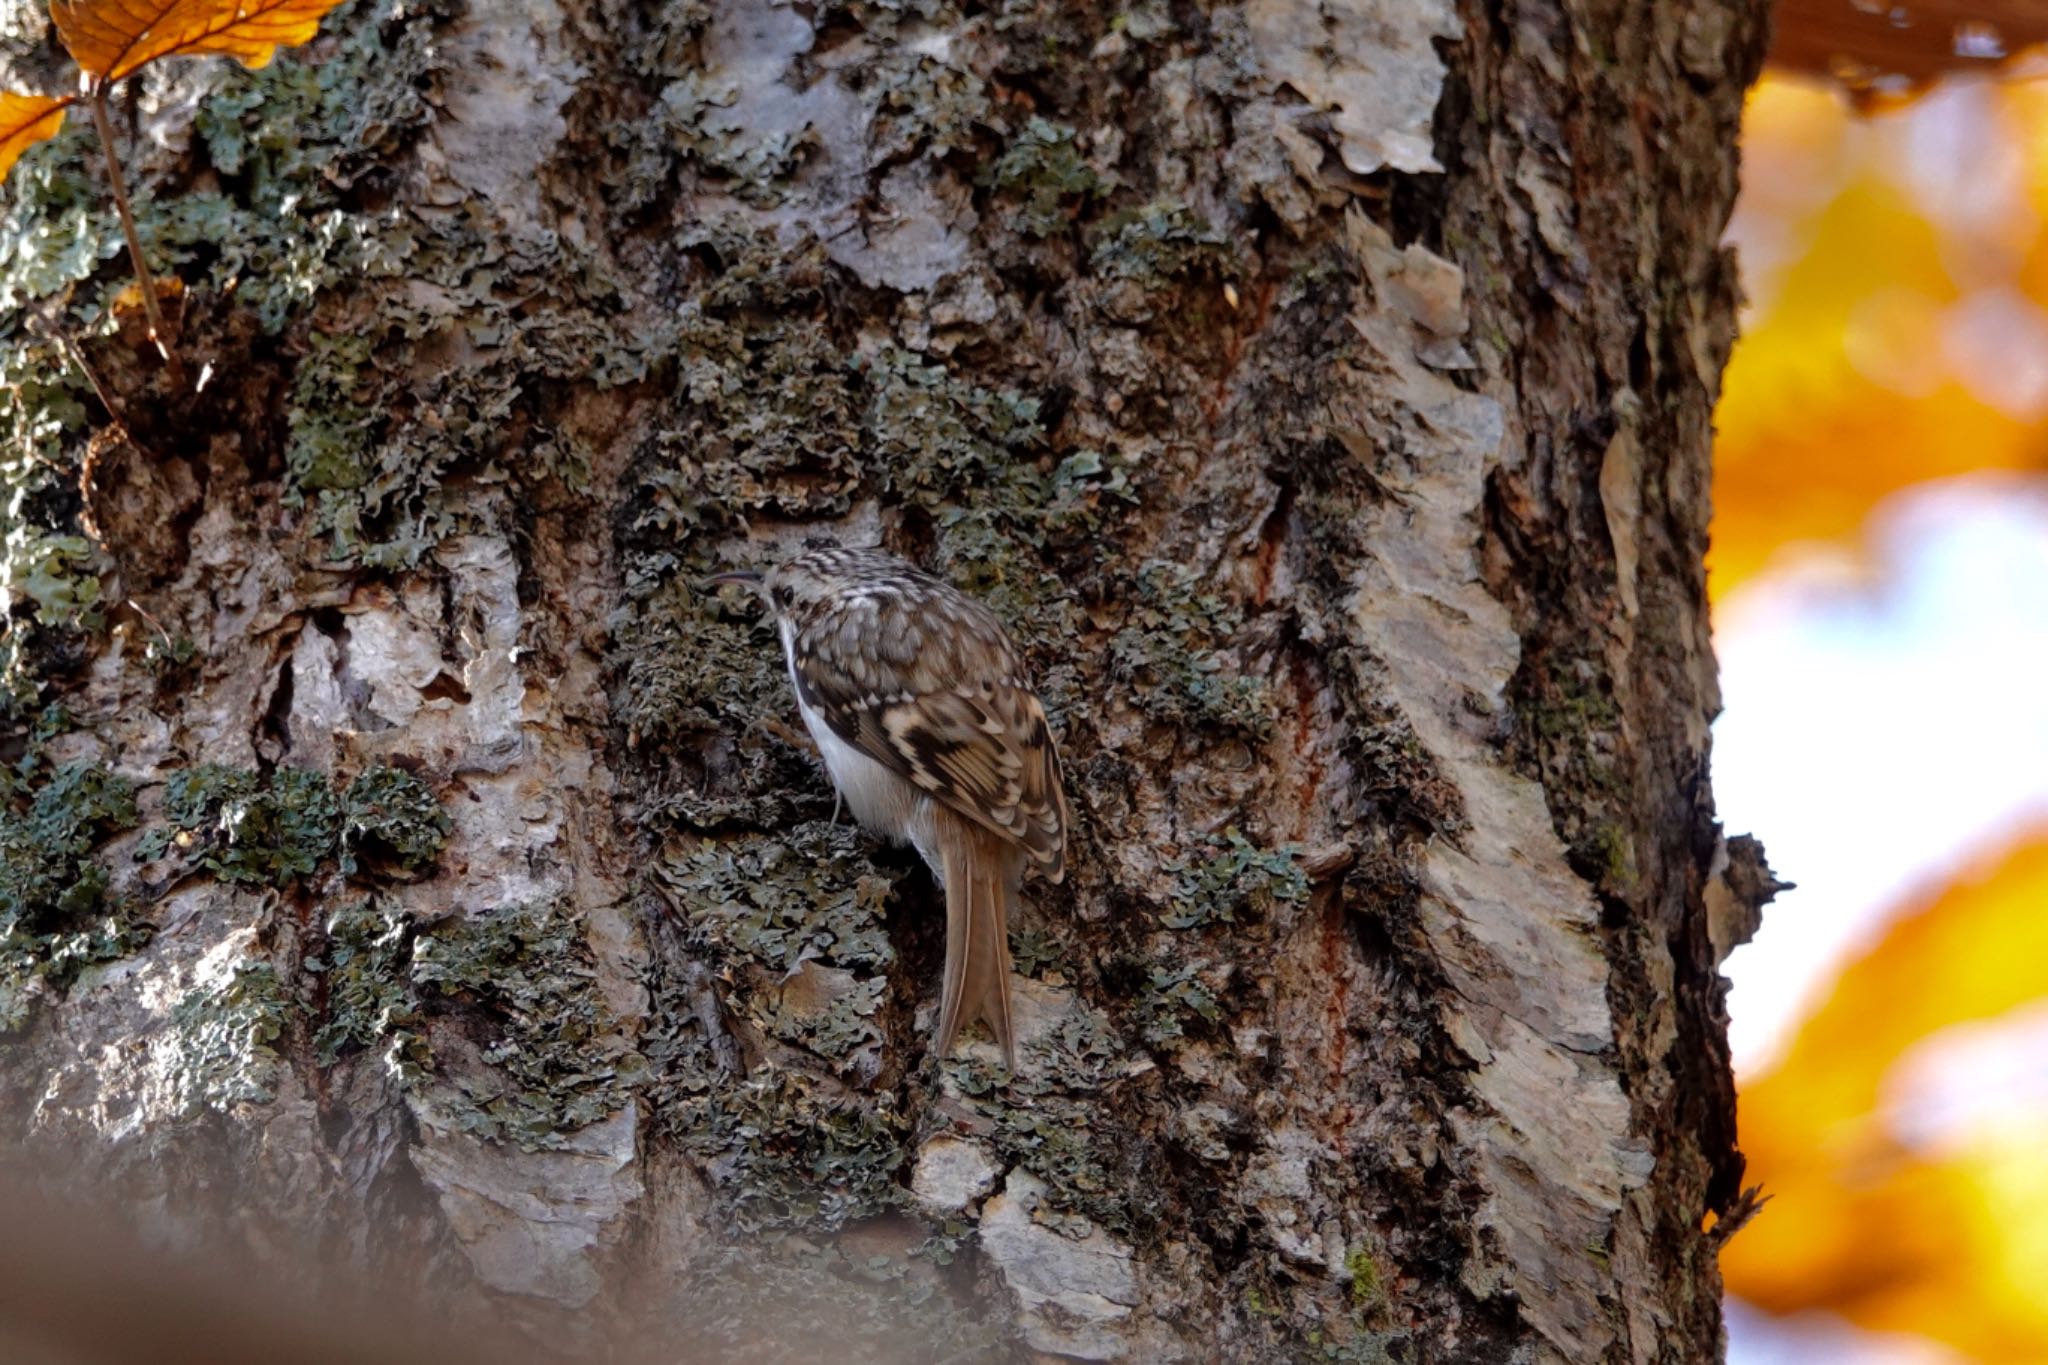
[1264, 564]
[1261, 307]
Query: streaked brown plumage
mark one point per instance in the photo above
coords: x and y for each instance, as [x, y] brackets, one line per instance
[931, 733]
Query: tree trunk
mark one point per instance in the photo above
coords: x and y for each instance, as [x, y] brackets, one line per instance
[404, 844]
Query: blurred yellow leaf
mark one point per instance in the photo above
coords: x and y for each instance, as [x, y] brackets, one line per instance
[26, 120]
[2027, 102]
[1885, 1212]
[111, 38]
[1840, 392]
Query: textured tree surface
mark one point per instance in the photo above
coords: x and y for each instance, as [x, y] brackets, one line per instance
[405, 858]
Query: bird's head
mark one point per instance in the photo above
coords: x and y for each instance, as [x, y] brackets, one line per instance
[824, 569]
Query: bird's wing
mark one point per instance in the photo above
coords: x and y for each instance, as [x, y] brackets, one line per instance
[931, 690]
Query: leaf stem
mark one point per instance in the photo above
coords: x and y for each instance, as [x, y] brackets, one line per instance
[143, 279]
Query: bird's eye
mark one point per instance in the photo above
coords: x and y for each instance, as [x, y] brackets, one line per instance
[781, 596]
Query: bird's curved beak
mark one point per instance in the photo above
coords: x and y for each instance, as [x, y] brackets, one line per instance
[746, 577]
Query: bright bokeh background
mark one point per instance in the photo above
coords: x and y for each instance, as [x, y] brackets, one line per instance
[1880, 572]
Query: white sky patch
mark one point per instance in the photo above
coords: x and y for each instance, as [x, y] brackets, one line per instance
[1964, 159]
[1822, 1339]
[1996, 342]
[1878, 732]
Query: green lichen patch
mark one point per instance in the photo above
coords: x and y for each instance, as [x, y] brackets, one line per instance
[555, 1054]
[55, 917]
[49, 574]
[1236, 877]
[59, 229]
[1158, 244]
[974, 458]
[1082, 1158]
[662, 39]
[496, 1023]
[785, 1152]
[980, 553]
[687, 668]
[1051, 1121]
[688, 124]
[806, 892]
[1172, 997]
[289, 139]
[250, 829]
[1606, 854]
[767, 408]
[377, 466]
[48, 828]
[1042, 177]
[170, 657]
[885, 19]
[1567, 723]
[723, 454]
[922, 104]
[756, 165]
[687, 671]
[329, 421]
[936, 435]
[41, 416]
[286, 139]
[1301, 1322]
[1172, 650]
[829, 1011]
[792, 925]
[1163, 264]
[861, 1309]
[1368, 1286]
[58, 574]
[1087, 486]
[429, 343]
[244, 828]
[221, 1044]
[994, 543]
[1357, 1348]
[367, 964]
[391, 819]
[1034, 950]
[1030, 509]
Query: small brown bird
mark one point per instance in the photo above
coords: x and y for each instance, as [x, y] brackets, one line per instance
[917, 702]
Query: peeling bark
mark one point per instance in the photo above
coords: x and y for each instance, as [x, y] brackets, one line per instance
[1323, 397]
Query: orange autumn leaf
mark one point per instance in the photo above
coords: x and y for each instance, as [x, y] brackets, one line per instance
[111, 38]
[1907, 1197]
[26, 120]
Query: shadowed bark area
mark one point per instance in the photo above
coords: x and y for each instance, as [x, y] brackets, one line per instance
[399, 837]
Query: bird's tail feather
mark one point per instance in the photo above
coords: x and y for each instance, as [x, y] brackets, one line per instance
[981, 874]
